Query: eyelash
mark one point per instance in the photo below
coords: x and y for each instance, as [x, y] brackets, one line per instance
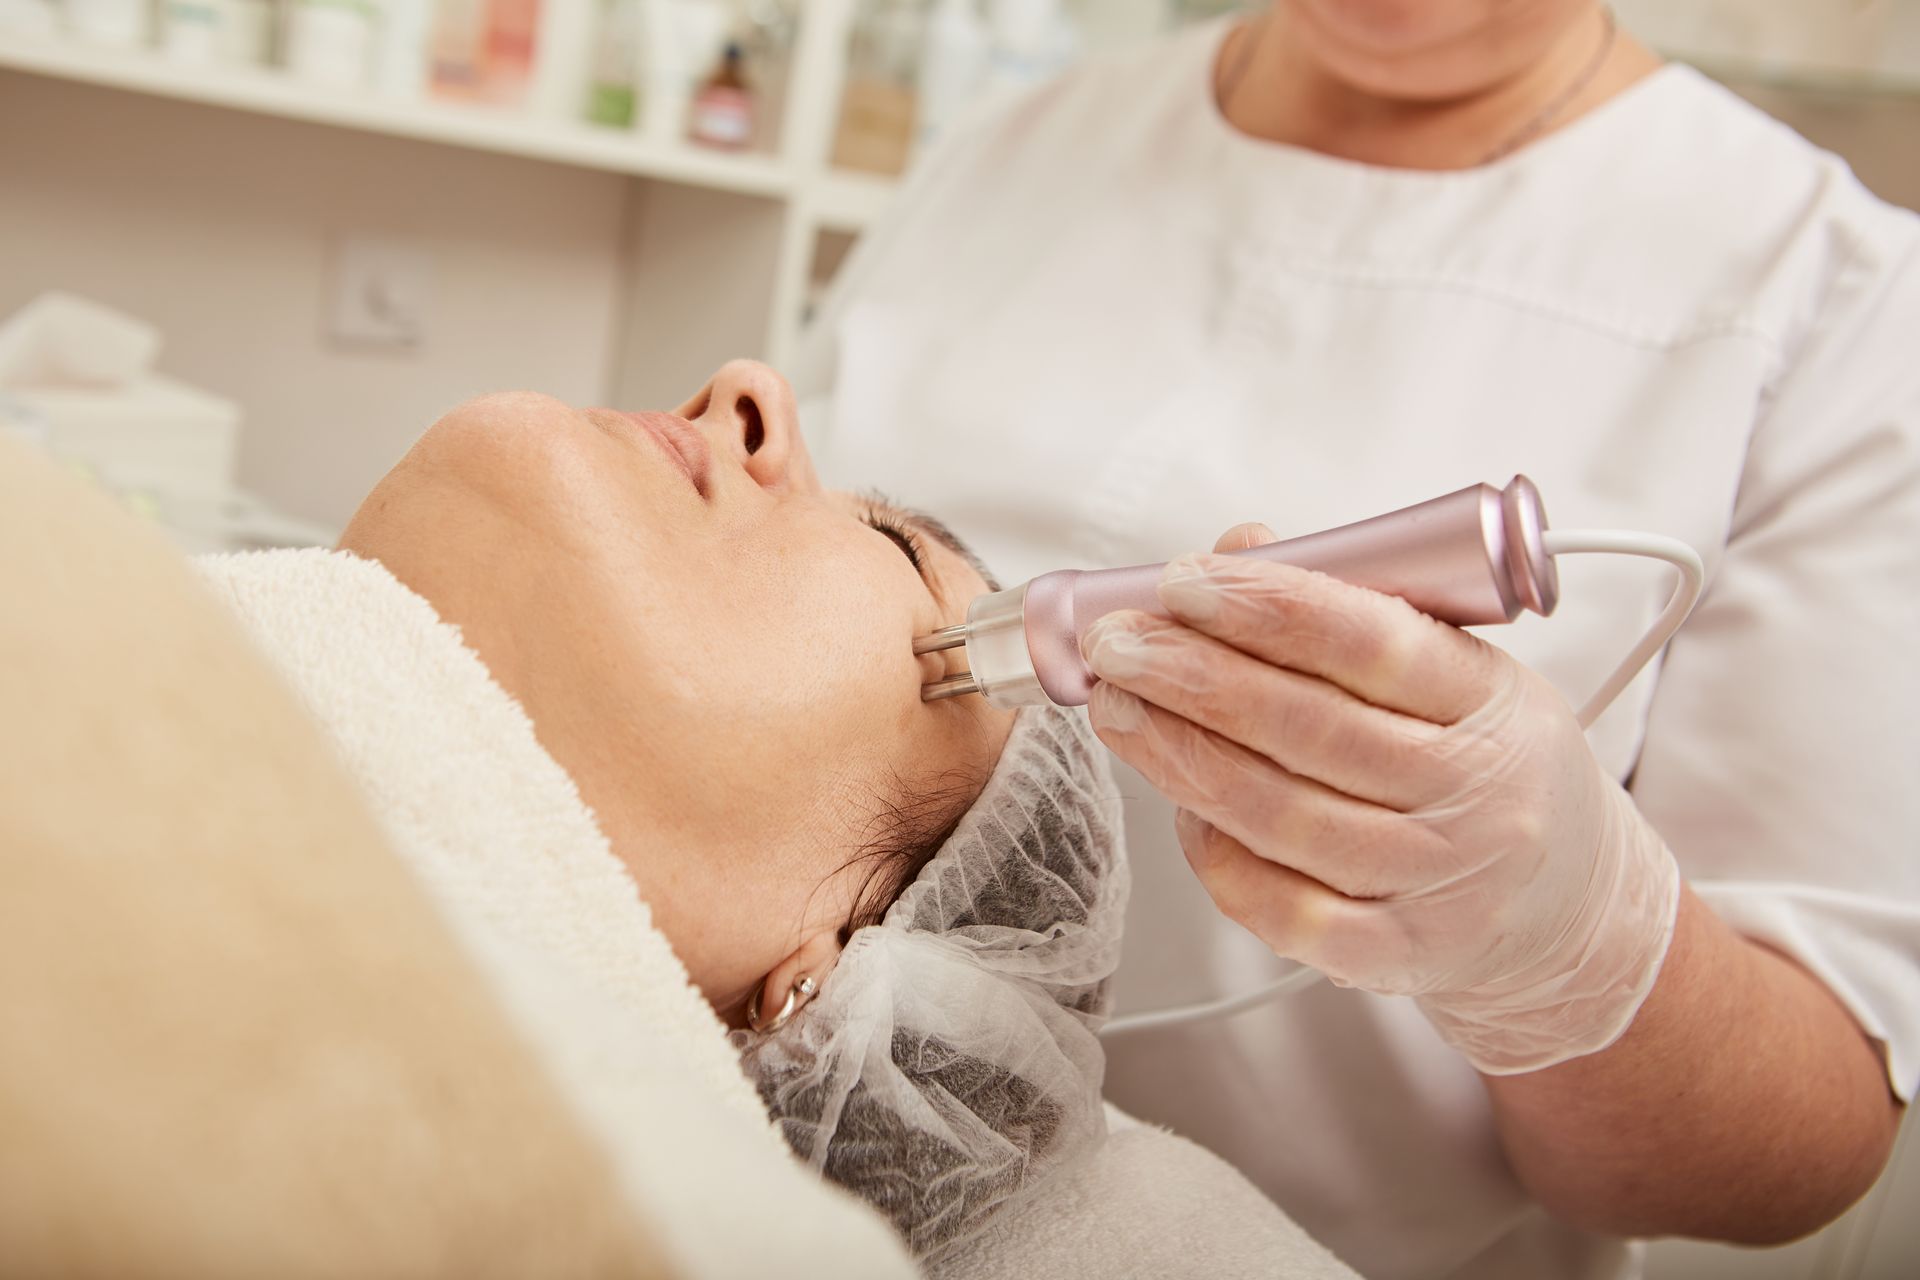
[901, 537]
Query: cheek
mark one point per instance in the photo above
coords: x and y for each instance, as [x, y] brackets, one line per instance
[502, 444]
[783, 675]
[799, 720]
[845, 624]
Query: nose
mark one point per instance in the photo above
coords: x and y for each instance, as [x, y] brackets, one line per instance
[748, 413]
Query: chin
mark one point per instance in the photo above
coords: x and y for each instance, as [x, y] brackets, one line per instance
[1395, 28]
[1420, 51]
[1412, 79]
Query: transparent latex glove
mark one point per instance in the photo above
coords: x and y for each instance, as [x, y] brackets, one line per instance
[1392, 801]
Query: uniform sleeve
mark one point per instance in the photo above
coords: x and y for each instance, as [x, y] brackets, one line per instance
[1782, 756]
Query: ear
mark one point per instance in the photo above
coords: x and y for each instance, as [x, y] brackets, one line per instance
[813, 958]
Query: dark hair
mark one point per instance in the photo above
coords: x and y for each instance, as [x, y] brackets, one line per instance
[908, 827]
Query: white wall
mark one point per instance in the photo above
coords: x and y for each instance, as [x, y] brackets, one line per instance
[217, 225]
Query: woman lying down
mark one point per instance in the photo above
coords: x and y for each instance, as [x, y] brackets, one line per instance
[907, 912]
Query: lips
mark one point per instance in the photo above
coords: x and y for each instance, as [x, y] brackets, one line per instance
[681, 441]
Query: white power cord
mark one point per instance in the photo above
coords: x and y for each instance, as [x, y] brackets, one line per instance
[1559, 542]
[1622, 542]
[1222, 1008]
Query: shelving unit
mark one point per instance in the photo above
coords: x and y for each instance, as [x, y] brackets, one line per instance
[800, 195]
[265, 91]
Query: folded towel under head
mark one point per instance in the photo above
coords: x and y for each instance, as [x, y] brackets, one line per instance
[498, 835]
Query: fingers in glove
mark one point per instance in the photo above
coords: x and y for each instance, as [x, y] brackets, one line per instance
[1359, 849]
[1375, 646]
[1243, 536]
[1309, 726]
[1295, 914]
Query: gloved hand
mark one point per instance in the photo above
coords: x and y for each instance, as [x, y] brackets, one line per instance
[1392, 801]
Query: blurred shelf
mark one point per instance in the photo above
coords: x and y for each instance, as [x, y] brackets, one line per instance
[845, 200]
[265, 91]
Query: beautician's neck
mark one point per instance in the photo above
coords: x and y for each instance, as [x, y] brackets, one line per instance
[1287, 94]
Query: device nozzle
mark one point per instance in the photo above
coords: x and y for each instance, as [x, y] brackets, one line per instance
[945, 638]
[951, 687]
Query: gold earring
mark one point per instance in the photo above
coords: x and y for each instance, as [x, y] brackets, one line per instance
[802, 989]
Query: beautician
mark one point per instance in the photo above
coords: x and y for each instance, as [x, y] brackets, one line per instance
[1341, 256]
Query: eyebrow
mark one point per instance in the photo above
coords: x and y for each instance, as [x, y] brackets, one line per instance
[937, 530]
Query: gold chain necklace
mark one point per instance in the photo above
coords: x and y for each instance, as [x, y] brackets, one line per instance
[1537, 125]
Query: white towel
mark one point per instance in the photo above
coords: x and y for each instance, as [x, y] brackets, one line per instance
[497, 833]
[1146, 1203]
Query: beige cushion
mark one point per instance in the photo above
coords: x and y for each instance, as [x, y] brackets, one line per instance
[234, 1037]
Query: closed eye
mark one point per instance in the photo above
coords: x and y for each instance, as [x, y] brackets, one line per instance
[901, 537]
[919, 528]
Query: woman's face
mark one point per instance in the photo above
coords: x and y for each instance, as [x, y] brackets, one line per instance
[714, 647]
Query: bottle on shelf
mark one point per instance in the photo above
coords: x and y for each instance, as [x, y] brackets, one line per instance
[613, 80]
[330, 42]
[507, 50]
[453, 47]
[37, 18]
[192, 31]
[401, 62]
[722, 112]
[235, 33]
[248, 38]
[125, 23]
[483, 50]
[875, 130]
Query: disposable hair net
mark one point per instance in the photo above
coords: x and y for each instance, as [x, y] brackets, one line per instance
[950, 1059]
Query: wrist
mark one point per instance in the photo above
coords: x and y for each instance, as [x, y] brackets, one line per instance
[1584, 993]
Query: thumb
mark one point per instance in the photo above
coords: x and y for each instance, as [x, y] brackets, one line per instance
[1242, 537]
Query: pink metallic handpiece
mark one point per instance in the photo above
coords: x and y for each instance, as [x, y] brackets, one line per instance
[1472, 557]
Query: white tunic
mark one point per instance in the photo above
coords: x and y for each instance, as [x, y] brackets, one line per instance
[1103, 326]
